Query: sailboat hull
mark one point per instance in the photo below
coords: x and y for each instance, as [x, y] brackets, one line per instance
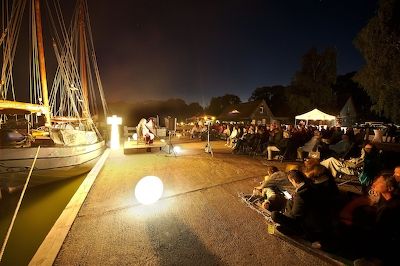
[53, 163]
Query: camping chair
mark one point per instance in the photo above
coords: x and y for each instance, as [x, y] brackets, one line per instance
[351, 179]
[282, 154]
[256, 148]
[348, 152]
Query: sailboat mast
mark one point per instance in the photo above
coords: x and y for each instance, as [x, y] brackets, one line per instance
[82, 51]
[42, 65]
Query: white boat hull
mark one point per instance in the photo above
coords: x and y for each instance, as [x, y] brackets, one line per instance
[53, 163]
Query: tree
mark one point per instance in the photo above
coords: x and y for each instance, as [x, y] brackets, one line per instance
[194, 109]
[312, 85]
[345, 87]
[217, 104]
[379, 43]
[274, 96]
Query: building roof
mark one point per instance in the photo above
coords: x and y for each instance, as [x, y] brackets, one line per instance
[244, 111]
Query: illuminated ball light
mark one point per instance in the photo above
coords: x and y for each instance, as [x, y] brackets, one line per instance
[177, 149]
[149, 189]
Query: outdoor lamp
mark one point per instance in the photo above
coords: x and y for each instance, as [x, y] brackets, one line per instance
[149, 189]
[177, 149]
[114, 121]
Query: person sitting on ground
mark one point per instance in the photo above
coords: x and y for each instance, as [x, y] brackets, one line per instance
[396, 175]
[309, 165]
[326, 188]
[380, 238]
[271, 189]
[311, 145]
[386, 229]
[303, 212]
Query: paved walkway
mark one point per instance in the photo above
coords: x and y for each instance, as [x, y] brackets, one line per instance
[198, 221]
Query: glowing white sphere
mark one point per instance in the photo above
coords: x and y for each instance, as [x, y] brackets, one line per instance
[149, 189]
[134, 136]
[177, 149]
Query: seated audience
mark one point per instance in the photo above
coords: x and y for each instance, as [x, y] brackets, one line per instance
[369, 161]
[396, 175]
[371, 167]
[311, 145]
[232, 137]
[378, 237]
[276, 141]
[271, 189]
[340, 148]
[303, 214]
[324, 182]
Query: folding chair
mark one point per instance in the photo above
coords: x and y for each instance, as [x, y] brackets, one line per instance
[352, 179]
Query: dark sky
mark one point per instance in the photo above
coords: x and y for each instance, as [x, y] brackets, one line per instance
[194, 50]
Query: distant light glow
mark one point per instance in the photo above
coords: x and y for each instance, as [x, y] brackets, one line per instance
[149, 189]
[114, 121]
[178, 135]
[162, 140]
[134, 136]
[177, 149]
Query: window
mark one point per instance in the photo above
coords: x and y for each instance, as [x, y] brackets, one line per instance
[261, 109]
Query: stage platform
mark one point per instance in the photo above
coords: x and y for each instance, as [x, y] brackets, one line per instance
[133, 146]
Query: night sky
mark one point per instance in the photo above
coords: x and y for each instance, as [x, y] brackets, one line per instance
[194, 50]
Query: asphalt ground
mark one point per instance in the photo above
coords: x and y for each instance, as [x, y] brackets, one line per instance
[199, 220]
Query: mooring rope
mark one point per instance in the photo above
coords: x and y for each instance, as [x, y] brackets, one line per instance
[18, 205]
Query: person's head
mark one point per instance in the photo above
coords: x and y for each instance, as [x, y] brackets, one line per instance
[396, 173]
[317, 173]
[345, 137]
[309, 165]
[296, 177]
[384, 184]
[369, 147]
[272, 169]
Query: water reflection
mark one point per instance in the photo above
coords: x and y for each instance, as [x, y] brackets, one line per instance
[39, 210]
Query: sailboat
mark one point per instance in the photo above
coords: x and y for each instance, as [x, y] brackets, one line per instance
[62, 120]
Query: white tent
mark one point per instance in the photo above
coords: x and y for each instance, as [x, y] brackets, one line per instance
[315, 115]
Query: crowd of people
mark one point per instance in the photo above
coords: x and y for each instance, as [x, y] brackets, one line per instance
[355, 225]
[306, 200]
[292, 142]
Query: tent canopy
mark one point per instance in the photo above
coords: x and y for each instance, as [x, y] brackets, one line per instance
[315, 115]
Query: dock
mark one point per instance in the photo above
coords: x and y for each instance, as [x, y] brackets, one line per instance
[198, 221]
[134, 146]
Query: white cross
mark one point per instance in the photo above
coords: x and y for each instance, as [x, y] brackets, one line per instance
[114, 121]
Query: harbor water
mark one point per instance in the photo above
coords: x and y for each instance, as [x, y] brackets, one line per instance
[39, 210]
